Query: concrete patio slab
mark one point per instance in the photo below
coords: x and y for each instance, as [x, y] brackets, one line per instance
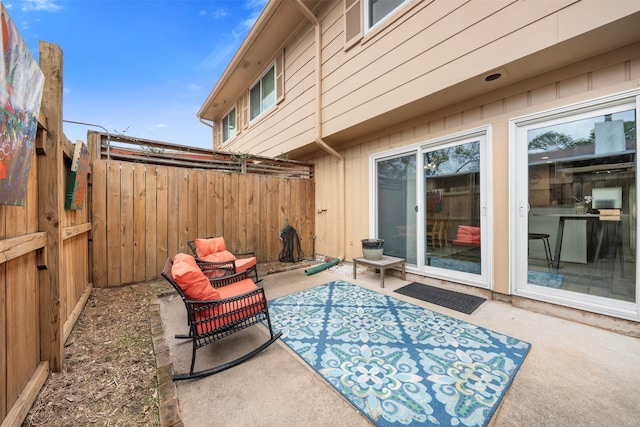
[574, 375]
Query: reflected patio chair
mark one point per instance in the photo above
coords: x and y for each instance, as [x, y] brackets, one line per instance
[437, 229]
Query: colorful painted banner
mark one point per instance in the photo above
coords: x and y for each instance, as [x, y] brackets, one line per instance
[78, 178]
[21, 87]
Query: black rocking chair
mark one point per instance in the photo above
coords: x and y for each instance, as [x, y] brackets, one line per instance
[212, 320]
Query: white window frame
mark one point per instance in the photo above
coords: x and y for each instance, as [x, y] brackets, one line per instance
[263, 109]
[234, 110]
[367, 12]
[518, 214]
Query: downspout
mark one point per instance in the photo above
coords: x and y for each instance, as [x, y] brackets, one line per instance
[341, 177]
[212, 129]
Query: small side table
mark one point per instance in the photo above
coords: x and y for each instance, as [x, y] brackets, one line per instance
[382, 264]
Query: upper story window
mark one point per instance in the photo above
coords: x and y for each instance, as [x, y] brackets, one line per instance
[376, 11]
[262, 95]
[229, 127]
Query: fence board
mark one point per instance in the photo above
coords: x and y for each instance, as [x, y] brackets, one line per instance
[151, 224]
[183, 211]
[202, 206]
[228, 200]
[113, 224]
[192, 223]
[162, 222]
[22, 322]
[273, 217]
[99, 223]
[217, 207]
[126, 222]
[171, 208]
[246, 213]
[139, 219]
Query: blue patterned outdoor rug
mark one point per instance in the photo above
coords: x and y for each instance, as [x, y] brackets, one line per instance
[399, 364]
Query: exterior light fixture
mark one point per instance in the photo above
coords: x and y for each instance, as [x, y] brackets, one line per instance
[492, 77]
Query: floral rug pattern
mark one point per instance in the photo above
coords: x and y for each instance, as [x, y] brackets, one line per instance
[399, 364]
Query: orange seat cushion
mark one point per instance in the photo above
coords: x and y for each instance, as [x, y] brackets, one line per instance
[244, 263]
[217, 317]
[206, 247]
[191, 279]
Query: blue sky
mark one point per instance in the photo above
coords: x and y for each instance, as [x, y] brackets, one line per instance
[138, 67]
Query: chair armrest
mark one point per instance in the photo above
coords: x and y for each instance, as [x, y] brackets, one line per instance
[216, 268]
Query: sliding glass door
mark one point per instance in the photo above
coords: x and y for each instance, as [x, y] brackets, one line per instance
[455, 209]
[577, 217]
[396, 206]
[431, 207]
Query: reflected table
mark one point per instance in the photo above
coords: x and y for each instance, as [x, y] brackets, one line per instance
[602, 219]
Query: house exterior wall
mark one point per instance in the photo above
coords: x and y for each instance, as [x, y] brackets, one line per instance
[612, 72]
[284, 128]
[420, 76]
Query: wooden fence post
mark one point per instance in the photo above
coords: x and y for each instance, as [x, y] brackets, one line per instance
[50, 206]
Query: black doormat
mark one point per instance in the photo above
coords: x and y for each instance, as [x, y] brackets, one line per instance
[454, 300]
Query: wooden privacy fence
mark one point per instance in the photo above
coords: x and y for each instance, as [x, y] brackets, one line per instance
[143, 206]
[144, 213]
[44, 260]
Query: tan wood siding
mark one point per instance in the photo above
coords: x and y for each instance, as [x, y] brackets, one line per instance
[614, 71]
[291, 121]
[428, 57]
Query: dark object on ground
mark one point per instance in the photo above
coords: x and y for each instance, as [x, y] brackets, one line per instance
[291, 251]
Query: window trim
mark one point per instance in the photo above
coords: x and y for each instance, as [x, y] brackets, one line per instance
[231, 138]
[387, 17]
[259, 81]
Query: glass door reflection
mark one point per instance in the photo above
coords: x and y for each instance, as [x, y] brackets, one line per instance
[582, 198]
[452, 215]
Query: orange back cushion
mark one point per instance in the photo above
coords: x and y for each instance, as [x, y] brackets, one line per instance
[192, 281]
[220, 256]
[210, 246]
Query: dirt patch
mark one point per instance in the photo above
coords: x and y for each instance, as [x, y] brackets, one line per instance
[109, 372]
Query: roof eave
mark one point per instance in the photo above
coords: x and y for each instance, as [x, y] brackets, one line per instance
[237, 59]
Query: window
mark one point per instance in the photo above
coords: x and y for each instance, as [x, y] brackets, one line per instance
[229, 126]
[377, 10]
[262, 95]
